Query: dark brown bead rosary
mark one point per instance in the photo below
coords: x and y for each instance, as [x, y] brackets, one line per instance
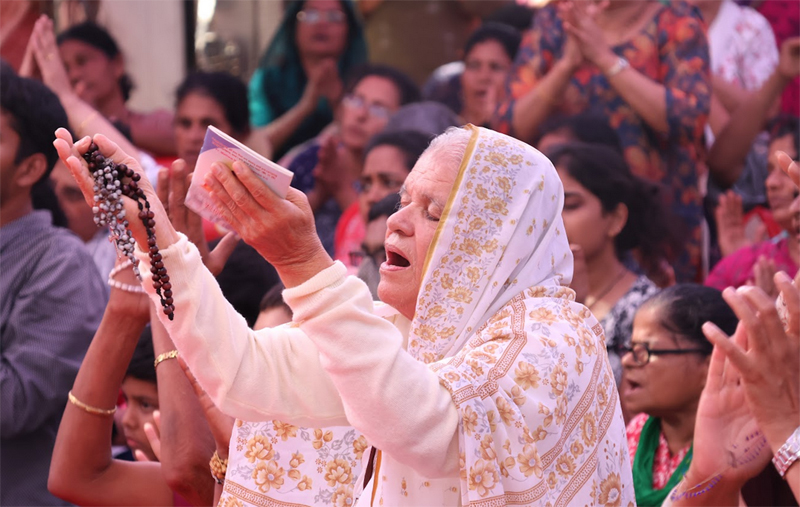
[111, 182]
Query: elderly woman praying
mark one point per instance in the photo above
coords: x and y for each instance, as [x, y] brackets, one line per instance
[479, 382]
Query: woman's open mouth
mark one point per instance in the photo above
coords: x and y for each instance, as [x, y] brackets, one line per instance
[396, 260]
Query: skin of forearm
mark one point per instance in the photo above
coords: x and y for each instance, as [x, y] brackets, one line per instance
[83, 445]
[730, 95]
[646, 97]
[734, 141]
[87, 121]
[186, 440]
[281, 129]
[534, 107]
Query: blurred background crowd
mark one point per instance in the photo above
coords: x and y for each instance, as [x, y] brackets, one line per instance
[662, 118]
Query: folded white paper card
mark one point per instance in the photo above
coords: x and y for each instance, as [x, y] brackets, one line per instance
[220, 147]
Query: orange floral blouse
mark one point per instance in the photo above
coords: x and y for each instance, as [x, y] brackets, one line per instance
[672, 50]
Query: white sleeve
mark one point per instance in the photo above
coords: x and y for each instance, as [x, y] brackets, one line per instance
[396, 401]
[762, 54]
[252, 375]
[343, 365]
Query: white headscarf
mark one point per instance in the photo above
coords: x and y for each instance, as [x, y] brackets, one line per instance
[526, 365]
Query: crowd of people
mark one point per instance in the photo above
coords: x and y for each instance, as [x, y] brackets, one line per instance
[560, 271]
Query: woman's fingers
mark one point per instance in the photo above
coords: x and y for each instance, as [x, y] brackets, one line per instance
[716, 368]
[747, 316]
[153, 437]
[177, 188]
[736, 357]
[261, 193]
[227, 190]
[162, 189]
[140, 455]
[221, 253]
[789, 166]
[111, 150]
[72, 156]
[225, 206]
[790, 304]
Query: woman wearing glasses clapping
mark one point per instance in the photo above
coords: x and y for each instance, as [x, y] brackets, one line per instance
[664, 373]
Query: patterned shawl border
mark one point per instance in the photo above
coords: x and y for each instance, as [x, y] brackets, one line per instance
[254, 498]
[462, 170]
[577, 414]
[506, 361]
[586, 471]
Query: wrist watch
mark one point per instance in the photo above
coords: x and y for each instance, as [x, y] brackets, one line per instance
[788, 453]
[620, 65]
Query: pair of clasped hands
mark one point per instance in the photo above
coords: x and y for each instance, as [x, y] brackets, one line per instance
[281, 230]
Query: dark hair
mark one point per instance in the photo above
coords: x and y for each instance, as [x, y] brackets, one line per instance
[501, 33]
[96, 36]
[604, 173]
[35, 113]
[406, 88]
[784, 125]
[141, 365]
[245, 279]
[518, 17]
[589, 128]
[227, 90]
[386, 207]
[685, 307]
[274, 299]
[410, 142]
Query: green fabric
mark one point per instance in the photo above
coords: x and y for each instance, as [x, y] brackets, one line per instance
[278, 82]
[646, 496]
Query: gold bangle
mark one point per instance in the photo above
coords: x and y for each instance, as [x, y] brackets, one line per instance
[172, 354]
[218, 468]
[88, 408]
[86, 120]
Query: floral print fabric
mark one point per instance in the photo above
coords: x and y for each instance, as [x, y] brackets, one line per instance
[276, 464]
[671, 50]
[526, 366]
[664, 463]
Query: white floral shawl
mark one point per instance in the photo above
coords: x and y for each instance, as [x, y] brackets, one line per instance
[526, 365]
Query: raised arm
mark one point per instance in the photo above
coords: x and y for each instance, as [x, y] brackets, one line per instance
[362, 354]
[731, 146]
[82, 470]
[678, 105]
[83, 118]
[323, 81]
[542, 69]
[251, 375]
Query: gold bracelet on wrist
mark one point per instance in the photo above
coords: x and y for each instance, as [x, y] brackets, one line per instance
[172, 354]
[88, 408]
[218, 467]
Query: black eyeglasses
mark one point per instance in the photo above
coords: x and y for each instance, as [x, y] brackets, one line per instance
[641, 352]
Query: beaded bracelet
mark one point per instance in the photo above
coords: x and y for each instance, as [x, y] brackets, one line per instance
[88, 408]
[218, 468]
[111, 182]
[136, 289]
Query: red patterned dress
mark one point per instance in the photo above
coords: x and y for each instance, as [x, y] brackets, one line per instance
[671, 50]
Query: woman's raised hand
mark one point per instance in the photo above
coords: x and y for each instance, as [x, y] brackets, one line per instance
[726, 437]
[769, 360]
[173, 185]
[72, 155]
[281, 230]
[44, 51]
